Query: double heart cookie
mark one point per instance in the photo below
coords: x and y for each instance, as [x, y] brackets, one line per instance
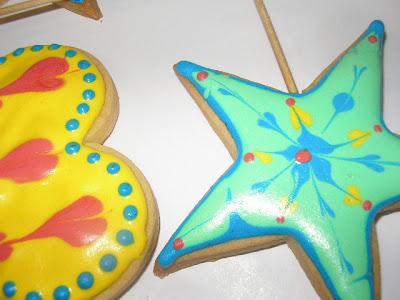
[77, 219]
[312, 169]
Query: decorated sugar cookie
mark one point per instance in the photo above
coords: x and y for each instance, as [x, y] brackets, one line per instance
[312, 169]
[77, 219]
[28, 8]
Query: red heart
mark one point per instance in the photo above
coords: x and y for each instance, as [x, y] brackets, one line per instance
[29, 162]
[72, 225]
[41, 77]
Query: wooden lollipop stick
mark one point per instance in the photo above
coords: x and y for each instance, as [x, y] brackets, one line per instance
[28, 13]
[27, 5]
[276, 47]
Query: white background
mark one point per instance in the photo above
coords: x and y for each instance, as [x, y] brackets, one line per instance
[165, 134]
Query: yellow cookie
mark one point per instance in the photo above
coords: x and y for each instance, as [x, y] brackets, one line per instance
[77, 220]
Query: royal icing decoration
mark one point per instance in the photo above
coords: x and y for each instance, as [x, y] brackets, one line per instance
[86, 8]
[316, 166]
[72, 217]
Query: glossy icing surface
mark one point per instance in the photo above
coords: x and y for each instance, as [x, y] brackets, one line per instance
[72, 218]
[316, 166]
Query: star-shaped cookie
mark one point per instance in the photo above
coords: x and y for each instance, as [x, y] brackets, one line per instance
[313, 170]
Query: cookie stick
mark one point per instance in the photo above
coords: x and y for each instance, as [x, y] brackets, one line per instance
[23, 6]
[276, 47]
[28, 13]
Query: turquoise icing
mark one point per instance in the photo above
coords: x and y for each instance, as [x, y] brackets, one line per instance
[130, 213]
[62, 293]
[316, 166]
[108, 263]
[85, 280]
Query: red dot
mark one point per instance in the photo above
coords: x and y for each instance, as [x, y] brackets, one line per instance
[1, 104]
[202, 76]
[367, 205]
[372, 39]
[249, 157]
[280, 220]
[2, 236]
[290, 102]
[303, 156]
[179, 244]
[378, 128]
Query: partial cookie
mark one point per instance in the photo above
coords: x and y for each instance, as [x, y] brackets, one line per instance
[313, 170]
[86, 8]
[77, 220]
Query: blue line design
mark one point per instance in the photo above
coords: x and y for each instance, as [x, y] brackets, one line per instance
[344, 102]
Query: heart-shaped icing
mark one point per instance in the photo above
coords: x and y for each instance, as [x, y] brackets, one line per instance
[72, 225]
[29, 162]
[41, 77]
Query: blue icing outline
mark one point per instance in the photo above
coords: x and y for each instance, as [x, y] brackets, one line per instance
[243, 230]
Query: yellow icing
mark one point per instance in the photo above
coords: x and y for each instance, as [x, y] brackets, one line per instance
[359, 137]
[42, 265]
[265, 158]
[354, 197]
[297, 115]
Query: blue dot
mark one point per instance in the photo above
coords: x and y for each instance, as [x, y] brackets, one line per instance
[84, 64]
[72, 125]
[33, 296]
[62, 293]
[3, 60]
[88, 94]
[108, 263]
[83, 108]
[130, 212]
[89, 78]
[125, 189]
[9, 289]
[72, 148]
[125, 237]
[37, 48]
[77, 1]
[70, 53]
[18, 52]
[54, 46]
[85, 280]
[93, 158]
[113, 168]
